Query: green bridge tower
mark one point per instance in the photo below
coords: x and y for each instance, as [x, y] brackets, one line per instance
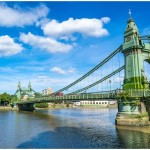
[23, 93]
[135, 52]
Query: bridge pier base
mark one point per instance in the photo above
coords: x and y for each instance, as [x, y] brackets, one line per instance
[132, 113]
[26, 107]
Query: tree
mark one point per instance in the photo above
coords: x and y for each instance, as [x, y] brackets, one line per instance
[37, 94]
[13, 98]
[5, 99]
[41, 105]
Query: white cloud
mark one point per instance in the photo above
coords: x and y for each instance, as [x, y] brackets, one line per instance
[8, 47]
[61, 71]
[67, 38]
[20, 17]
[85, 26]
[45, 43]
[42, 21]
[105, 19]
[58, 70]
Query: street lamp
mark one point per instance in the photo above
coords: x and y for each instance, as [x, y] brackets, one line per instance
[110, 85]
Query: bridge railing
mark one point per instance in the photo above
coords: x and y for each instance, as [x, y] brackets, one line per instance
[138, 93]
[116, 94]
[81, 96]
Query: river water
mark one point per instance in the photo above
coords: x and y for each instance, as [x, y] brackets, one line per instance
[69, 128]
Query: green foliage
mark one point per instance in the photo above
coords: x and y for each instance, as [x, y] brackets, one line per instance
[41, 105]
[13, 98]
[124, 95]
[125, 99]
[37, 94]
[5, 98]
[135, 102]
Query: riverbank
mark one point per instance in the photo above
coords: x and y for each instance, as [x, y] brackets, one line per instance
[3, 108]
[56, 106]
[60, 106]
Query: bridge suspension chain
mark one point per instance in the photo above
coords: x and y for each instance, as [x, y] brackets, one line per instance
[99, 81]
[145, 37]
[92, 70]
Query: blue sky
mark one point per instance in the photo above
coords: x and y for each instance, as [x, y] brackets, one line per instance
[53, 43]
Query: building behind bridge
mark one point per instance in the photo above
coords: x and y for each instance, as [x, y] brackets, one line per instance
[47, 91]
[100, 103]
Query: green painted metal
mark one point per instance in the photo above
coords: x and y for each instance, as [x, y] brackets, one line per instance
[18, 92]
[136, 85]
[21, 92]
[135, 52]
[145, 37]
[133, 93]
[99, 81]
[92, 70]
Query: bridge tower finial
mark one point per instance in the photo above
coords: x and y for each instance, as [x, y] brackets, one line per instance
[29, 86]
[19, 85]
[129, 14]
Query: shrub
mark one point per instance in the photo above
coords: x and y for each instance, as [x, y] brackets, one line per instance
[41, 105]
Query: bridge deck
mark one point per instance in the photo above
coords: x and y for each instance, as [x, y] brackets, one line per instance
[91, 96]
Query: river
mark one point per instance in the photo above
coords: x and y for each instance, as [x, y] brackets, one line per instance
[69, 128]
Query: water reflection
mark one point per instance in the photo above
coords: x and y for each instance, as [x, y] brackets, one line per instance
[69, 128]
[69, 137]
[134, 138]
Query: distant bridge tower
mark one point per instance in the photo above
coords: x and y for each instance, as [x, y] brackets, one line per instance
[135, 52]
[29, 87]
[18, 92]
[23, 93]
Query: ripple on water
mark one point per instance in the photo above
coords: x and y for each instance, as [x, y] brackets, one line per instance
[69, 128]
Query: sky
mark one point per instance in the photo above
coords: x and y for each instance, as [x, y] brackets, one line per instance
[51, 44]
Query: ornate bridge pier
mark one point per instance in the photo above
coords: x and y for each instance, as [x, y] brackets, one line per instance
[24, 95]
[132, 110]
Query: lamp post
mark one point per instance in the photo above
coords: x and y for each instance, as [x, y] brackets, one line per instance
[110, 85]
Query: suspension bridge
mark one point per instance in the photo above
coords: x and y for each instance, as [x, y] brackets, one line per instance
[119, 76]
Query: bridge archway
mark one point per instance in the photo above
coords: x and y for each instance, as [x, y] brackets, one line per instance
[147, 69]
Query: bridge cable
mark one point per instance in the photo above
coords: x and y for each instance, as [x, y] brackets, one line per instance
[99, 81]
[92, 70]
